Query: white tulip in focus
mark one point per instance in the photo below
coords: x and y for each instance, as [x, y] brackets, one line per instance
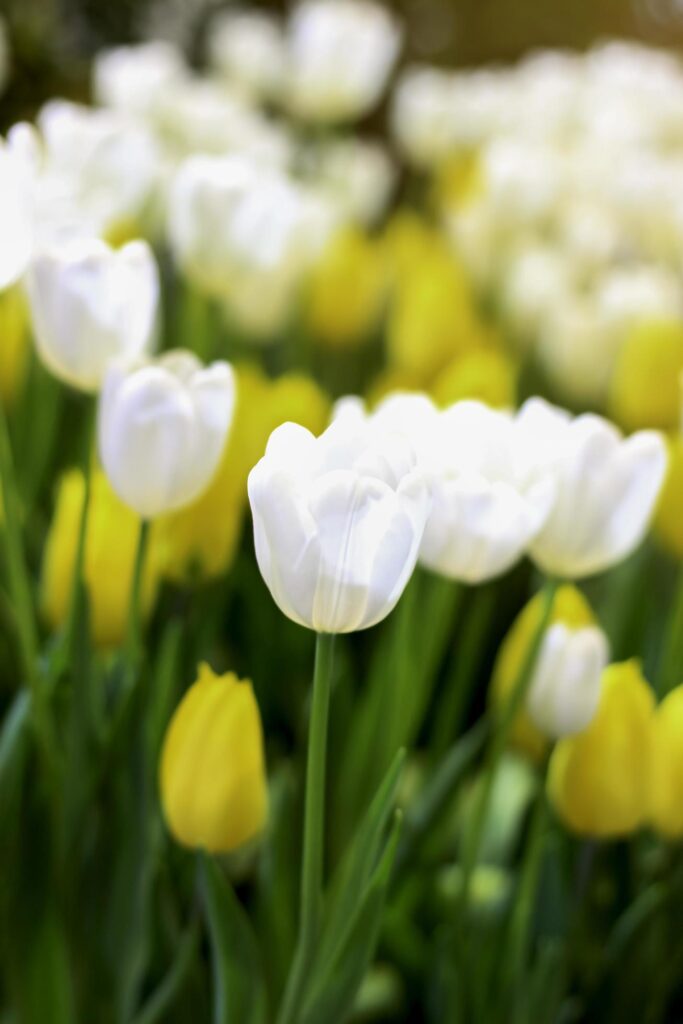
[338, 522]
[16, 217]
[248, 48]
[91, 304]
[606, 487]
[485, 508]
[340, 55]
[565, 687]
[134, 79]
[162, 428]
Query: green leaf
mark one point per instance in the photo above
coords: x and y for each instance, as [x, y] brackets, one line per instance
[239, 991]
[333, 989]
[45, 989]
[13, 749]
[359, 862]
[162, 693]
[162, 998]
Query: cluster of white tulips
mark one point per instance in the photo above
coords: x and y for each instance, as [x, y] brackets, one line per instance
[573, 218]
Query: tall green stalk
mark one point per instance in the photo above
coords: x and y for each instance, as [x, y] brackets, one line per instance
[314, 829]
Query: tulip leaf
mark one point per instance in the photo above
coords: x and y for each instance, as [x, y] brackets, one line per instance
[239, 990]
[163, 692]
[334, 987]
[43, 976]
[13, 748]
[360, 860]
[162, 998]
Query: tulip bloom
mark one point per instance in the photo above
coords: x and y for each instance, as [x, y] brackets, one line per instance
[666, 804]
[162, 428]
[599, 781]
[212, 773]
[555, 696]
[606, 487]
[341, 53]
[338, 522]
[91, 304]
[108, 559]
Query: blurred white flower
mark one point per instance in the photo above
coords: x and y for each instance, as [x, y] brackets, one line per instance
[162, 428]
[338, 522]
[246, 234]
[423, 115]
[134, 79]
[359, 176]
[103, 162]
[91, 304]
[606, 487]
[340, 55]
[16, 217]
[565, 686]
[248, 48]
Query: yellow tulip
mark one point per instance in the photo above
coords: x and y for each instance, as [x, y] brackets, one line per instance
[109, 558]
[599, 780]
[201, 539]
[14, 343]
[432, 317]
[645, 386]
[668, 521]
[409, 239]
[347, 290]
[458, 181]
[212, 772]
[666, 807]
[570, 608]
[486, 374]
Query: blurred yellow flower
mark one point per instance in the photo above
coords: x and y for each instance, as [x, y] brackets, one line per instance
[645, 390]
[432, 318]
[666, 807]
[110, 548]
[457, 181]
[212, 773]
[599, 780]
[668, 521]
[409, 239]
[347, 290]
[14, 343]
[571, 608]
[201, 539]
[487, 374]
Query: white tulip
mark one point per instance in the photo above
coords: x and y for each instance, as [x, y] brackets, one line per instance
[486, 507]
[248, 48]
[564, 692]
[423, 115]
[91, 304]
[359, 176]
[16, 217]
[162, 428]
[606, 487]
[340, 54]
[134, 79]
[338, 522]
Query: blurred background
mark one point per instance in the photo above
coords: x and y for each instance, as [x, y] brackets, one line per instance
[52, 41]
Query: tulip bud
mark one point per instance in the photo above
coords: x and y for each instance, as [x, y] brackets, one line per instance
[162, 428]
[14, 343]
[341, 53]
[666, 805]
[599, 780]
[90, 305]
[346, 290]
[338, 522]
[606, 487]
[109, 557]
[565, 685]
[571, 613]
[212, 772]
[645, 389]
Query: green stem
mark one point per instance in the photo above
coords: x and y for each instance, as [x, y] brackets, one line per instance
[133, 643]
[314, 830]
[499, 743]
[19, 582]
[79, 586]
[671, 670]
[453, 705]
